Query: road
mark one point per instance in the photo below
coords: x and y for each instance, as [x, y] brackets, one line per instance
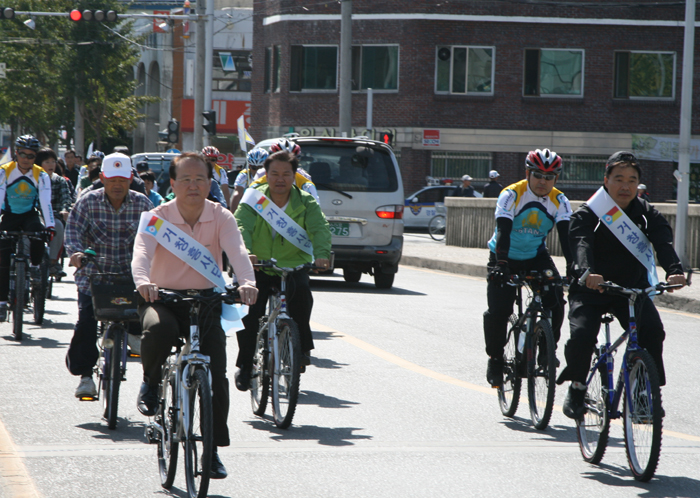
[395, 404]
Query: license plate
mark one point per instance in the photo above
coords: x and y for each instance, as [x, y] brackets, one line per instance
[340, 229]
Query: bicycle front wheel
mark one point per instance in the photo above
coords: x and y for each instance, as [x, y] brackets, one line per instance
[437, 226]
[167, 418]
[39, 291]
[541, 374]
[642, 418]
[200, 436]
[260, 377]
[112, 375]
[20, 289]
[509, 392]
[594, 427]
[285, 376]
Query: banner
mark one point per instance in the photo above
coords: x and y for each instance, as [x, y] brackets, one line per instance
[243, 137]
[662, 148]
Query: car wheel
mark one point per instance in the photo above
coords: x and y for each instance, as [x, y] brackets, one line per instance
[384, 280]
[351, 276]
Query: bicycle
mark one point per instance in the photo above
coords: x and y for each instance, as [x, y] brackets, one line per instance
[638, 380]
[530, 350]
[438, 223]
[185, 400]
[114, 305]
[277, 358]
[22, 286]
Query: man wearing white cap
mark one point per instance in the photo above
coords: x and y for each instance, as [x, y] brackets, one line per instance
[106, 220]
[466, 190]
[493, 188]
[642, 192]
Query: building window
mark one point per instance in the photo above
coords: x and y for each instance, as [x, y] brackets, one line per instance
[464, 70]
[645, 75]
[276, 68]
[551, 73]
[268, 68]
[457, 164]
[375, 67]
[582, 169]
[232, 70]
[313, 68]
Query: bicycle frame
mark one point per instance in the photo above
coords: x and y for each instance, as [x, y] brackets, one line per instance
[529, 318]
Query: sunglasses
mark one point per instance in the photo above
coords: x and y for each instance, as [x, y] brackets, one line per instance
[26, 156]
[541, 176]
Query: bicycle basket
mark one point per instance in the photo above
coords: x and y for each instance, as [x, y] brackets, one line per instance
[113, 297]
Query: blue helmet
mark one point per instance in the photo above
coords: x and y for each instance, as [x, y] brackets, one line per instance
[257, 157]
[27, 142]
[99, 154]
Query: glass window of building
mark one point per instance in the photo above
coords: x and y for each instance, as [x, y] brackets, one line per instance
[375, 67]
[456, 164]
[232, 70]
[313, 68]
[553, 73]
[464, 70]
[640, 75]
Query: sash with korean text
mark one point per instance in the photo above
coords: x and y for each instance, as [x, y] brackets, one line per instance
[625, 230]
[280, 221]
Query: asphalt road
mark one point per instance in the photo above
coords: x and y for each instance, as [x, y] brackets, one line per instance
[395, 404]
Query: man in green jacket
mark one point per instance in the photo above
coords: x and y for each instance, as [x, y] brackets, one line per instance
[256, 220]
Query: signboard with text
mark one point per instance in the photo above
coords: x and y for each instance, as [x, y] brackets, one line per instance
[431, 138]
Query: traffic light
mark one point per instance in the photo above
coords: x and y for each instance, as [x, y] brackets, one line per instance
[93, 15]
[173, 131]
[7, 13]
[210, 126]
[386, 137]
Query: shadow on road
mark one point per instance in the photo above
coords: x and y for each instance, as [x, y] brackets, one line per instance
[561, 433]
[127, 430]
[323, 400]
[334, 285]
[29, 340]
[326, 436]
[659, 486]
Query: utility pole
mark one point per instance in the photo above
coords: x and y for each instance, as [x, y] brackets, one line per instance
[683, 185]
[199, 84]
[78, 129]
[345, 94]
[209, 60]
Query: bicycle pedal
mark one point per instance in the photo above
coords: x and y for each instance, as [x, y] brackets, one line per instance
[134, 355]
[302, 369]
[152, 435]
[89, 398]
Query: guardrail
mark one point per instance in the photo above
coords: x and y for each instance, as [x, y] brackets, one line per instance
[470, 223]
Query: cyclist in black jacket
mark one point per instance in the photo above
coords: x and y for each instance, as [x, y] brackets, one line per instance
[596, 249]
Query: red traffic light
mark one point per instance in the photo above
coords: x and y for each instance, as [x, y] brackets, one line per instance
[75, 15]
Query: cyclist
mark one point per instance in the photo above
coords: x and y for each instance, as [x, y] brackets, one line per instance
[596, 248]
[526, 212]
[105, 219]
[301, 178]
[264, 242]
[91, 169]
[23, 187]
[149, 180]
[154, 267]
[61, 201]
[220, 174]
[255, 160]
[85, 168]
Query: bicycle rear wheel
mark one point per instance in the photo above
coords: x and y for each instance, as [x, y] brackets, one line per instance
[260, 378]
[593, 429]
[39, 291]
[509, 392]
[167, 418]
[112, 375]
[200, 436]
[642, 418]
[286, 364]
[437, 226]
[18, 306]
[541, 374]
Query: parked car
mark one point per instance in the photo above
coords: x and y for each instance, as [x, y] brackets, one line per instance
[361, 193]
[159, 163]
[420, 206]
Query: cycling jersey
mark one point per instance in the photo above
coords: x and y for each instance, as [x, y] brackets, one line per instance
[220, 175]
[300, 180]
[22, 193]
[245, 178]
[533, 218]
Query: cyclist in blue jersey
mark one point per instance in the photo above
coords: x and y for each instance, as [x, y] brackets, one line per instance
[23, 188]
[526, 212]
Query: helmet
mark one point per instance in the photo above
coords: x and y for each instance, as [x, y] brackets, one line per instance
[544, 160]
[99, 154]
[256, 157]
[27, 142]
[284, 144]
[210, 152]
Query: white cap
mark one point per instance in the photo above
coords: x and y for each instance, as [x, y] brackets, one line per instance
[466, 178]
[493, 174]
[116, 164]
[641, 186]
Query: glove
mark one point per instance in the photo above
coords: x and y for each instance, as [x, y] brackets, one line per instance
[50, 233]
[500, 274]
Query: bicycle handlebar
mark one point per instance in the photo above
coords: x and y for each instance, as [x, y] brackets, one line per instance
[272, 263]
[229, 296]
[659, 288]
[14, 235]
[538, 276]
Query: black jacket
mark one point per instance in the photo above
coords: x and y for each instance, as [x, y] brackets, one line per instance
[492, 189]
[595, 247]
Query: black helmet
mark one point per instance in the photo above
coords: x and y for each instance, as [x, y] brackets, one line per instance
[27, 142]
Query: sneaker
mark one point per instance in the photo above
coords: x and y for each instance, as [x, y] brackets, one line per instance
[494, 372]
[306, 358]
[147, 402]
[56, 270]
[574, 406]
[218, 471]
[134, 342]
[86, 388]
[3, 312]
[242, 378]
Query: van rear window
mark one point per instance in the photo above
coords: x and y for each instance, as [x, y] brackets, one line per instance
[349, 168]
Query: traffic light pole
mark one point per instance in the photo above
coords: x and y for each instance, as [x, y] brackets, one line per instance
[208, 61]
[345, 93]
[199, 85]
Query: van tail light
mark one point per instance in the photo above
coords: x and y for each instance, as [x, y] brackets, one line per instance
[392, 212]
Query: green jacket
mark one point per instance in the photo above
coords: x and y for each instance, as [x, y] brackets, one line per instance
[303, 209]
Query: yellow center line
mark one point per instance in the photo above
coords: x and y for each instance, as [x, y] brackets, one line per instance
[413, 367]
[14, 477]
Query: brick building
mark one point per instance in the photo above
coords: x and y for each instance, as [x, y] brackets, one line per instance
[465, 87]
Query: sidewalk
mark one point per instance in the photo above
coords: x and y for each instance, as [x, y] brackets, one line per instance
[422, 251]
